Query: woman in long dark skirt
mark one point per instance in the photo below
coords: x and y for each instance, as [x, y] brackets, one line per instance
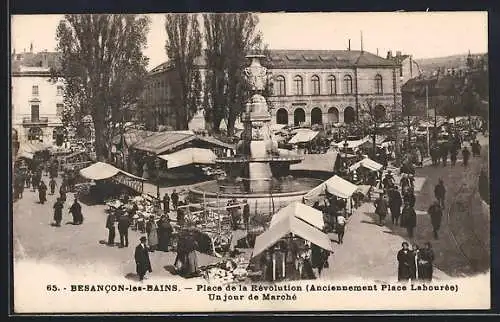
[424, 263]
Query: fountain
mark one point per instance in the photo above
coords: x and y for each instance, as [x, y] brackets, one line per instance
[259, 171]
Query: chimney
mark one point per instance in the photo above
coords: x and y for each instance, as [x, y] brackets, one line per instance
[389, 54]
[398, 53]
[349, 47]
[361, 41]
[377, 51]
[31, 47]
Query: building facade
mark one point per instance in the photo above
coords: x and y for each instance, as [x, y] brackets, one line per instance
[309, 87]
[37, 99]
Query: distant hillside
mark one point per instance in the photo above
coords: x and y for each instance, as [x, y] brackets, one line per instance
[429, 65]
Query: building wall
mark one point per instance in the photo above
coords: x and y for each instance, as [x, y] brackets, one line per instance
[23, 98]
[367, 92]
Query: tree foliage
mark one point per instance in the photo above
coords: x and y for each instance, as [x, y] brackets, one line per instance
[229, 38]
[103, 67]
[183, 47]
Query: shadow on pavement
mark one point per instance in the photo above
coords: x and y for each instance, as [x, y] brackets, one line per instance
[170, 269]
[132, 277]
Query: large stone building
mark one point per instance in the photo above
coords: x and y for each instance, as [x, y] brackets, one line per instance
[37, 99]
[309, 87]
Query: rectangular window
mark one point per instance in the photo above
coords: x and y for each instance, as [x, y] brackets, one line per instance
[59, 109]
[60, 91]
[35, 113]
[34, 90]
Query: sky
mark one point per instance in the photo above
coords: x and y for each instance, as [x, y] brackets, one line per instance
[423, 35]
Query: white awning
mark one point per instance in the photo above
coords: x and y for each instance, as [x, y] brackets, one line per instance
[189, 156]
[351, 144]
[366, 163]
[291, 225]
[335, 186]
[303, 136]
[301, 211]
[99, 171]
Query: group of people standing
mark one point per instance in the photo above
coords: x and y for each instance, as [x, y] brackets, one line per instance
[415, 263]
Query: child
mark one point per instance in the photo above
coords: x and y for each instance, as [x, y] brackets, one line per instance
[52, 185]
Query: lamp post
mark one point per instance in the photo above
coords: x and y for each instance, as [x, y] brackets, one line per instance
[157, 172]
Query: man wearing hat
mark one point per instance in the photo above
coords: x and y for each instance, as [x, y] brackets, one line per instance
[405, 260]
[142, 261]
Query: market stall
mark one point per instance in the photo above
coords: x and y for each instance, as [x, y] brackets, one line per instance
[308, 214]
[286, 240]
[335, 186]
[189, 156]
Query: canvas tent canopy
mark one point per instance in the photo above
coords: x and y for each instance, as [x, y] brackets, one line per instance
[290, 225]
[308, 214]
[101, 171]
[351, 144]
[335, 186]
[189, 156]
[366, 163]
[317, 162]
[303, 137]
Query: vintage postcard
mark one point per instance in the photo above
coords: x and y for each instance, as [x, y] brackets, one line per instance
[257, 162]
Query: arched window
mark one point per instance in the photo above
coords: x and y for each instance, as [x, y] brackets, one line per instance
[378, 84]
[35, 134]
[299, 116]
[347, 84]
[332, 85]
[315, 85]
[349, 115]
[282, 116]
[299, 85]
[316, 116]
[333, 115]
[280, 86]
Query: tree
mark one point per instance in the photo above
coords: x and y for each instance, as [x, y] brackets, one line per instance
[183, 47]
[229, 38]
[103, 67]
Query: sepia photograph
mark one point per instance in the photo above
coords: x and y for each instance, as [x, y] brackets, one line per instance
[230, 162]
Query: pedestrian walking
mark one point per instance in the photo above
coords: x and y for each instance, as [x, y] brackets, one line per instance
[409, 197]
[58, 207]
[142, 262]
[340, 228]
[28, 179]
[76, 211]
[165, 230]
[52, 185]
[444, 154]
[381, 206]
[152, 233]
[425, 261]
[166, 204]
[246, 214]
[42, 192]
[181, 216]
[409, 219]
[62, 192]
[175, 199]
[110, 225]
[395, 203]
[439, 192]
[123, 226]
[404, 258]
[436, 213]
[453, 157]
[465, 156]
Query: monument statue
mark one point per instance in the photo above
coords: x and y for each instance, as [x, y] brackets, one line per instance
[256, 73]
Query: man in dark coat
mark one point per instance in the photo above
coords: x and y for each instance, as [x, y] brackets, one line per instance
[405, 260]
[175, 199]
[62, 191]
[381, 206]
[466, 156]
[436, 213]
[181, 216]
[42, 192]
[165, 230]
[409, 197]
[409, 219]
[142, 262]
[166, 204]
[110, 225]
[453, 156]
[395, 203]
[246, 214]
[52, 186]
[439, 192]
[58, 207]
[76, 211]
[123, 225]
[444, 153]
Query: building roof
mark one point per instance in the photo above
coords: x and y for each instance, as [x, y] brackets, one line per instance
[326, 59]
[298, 58]
[35, 62]
[168, 141]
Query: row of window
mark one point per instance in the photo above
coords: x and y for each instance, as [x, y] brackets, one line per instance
[298, 85]
[35, 91]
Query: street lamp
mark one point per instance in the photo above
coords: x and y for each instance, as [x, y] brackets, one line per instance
[157, 172]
